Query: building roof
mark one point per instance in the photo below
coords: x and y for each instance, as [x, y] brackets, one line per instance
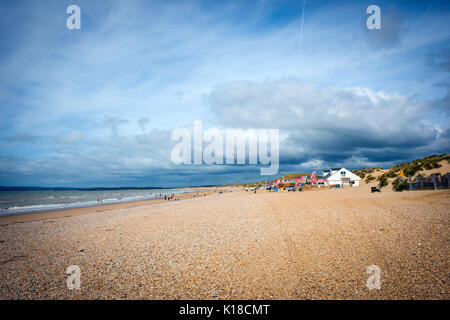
[334, 172]
[336, 175]
[326, 176]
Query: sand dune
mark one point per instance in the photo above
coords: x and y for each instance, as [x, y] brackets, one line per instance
[442, 170]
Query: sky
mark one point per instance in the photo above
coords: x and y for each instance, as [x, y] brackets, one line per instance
[97, 106]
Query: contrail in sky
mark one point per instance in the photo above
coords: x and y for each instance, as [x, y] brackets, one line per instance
[260, 7]
[301, 25]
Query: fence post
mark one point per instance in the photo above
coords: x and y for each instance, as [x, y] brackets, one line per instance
[410, 183]
[434, 181]
[448, 180]
[421, 182]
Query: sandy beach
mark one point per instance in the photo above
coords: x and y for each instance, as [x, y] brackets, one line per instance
[237, 245]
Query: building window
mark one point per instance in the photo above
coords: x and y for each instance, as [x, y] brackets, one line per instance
[342, 173]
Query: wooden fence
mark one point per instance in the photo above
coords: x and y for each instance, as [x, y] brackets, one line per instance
[432, 182]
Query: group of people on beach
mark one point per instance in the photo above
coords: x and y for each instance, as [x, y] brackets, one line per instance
[166, 197]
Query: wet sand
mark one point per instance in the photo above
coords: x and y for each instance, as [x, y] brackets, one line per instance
[239, 245]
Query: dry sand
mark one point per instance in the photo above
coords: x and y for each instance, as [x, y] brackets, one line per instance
[239, 245]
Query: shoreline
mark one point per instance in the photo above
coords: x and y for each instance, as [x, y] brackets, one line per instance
[69, 212]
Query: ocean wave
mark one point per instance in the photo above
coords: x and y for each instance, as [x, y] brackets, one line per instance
[37, 206]
[43, 207]
[36, 203]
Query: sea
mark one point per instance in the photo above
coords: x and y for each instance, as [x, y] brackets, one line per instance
[28, 201]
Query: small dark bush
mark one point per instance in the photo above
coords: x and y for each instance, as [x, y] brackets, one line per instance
[390, 174]
[383, 181]
[399, 186]
[436, 165]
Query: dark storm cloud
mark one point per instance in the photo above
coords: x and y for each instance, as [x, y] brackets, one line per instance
[24, 137]
[439, 59]
[329, 125]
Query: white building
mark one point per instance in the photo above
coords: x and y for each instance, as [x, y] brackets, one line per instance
[341, 177]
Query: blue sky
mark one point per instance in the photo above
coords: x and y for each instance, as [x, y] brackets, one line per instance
[97, 106]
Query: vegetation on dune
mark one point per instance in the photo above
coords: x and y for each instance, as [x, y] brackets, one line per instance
[427, 163]
[369, 179]
[295, 175]
[411, 168]
[399, 186]
[367, 171]
[383, 181]
[247, 185]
